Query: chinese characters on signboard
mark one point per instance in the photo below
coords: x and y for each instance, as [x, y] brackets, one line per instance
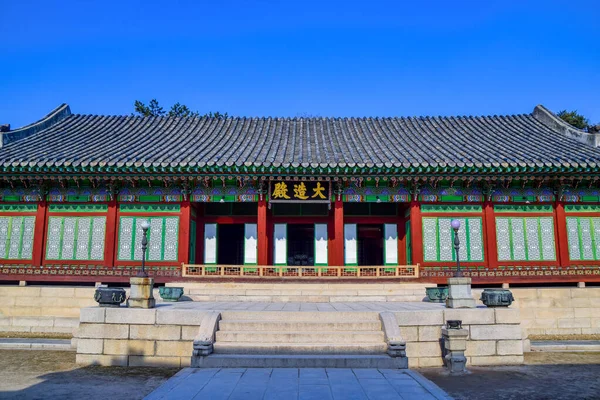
[300, 191]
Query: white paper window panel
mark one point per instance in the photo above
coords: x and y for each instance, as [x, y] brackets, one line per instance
[390, 232]
[210, 243]
[350, 244]
[280, 245]
[250, 243]
[320, 244]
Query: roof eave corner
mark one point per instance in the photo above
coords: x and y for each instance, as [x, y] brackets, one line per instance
[552, 121]
[52, 118]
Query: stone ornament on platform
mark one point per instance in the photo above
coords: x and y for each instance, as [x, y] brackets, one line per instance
[497, 297]
[109, 297]
[141, 295]
[437, 294]
[459, 293]
[170, 293]
[455, 344]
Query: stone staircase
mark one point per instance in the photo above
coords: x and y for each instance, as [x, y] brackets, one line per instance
[308, 292]
[280, 339]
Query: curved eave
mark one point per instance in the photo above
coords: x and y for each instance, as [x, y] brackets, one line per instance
[304, 170]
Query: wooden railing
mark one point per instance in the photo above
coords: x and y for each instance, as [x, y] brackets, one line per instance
[302, 272]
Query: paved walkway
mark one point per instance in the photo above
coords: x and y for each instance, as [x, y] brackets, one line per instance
[295, 306]
[299, 384]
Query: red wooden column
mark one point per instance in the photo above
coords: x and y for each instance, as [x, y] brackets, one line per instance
[261, 228]
[489, 235]
[184, 233]
[110, 242]
[336, 235]
[416, 232]
[39, 235]
[562, 239]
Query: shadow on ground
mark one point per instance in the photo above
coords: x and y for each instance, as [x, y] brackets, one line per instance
[547, 376]
[26, 374]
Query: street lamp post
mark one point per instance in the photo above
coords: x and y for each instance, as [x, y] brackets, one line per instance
[145, 225]
[456, 226]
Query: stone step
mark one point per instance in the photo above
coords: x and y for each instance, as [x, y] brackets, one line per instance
[305, 298]
[298, 348]
[321, 316]
[298, 361]
[320, 337]
[557, 346]
[362, 285]
[294, 326]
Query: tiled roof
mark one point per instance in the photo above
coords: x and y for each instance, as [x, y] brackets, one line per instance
[93, 143]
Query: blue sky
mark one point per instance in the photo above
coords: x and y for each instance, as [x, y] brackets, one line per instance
[290, 58]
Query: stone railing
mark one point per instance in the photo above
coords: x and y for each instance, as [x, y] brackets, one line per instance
[302, 272]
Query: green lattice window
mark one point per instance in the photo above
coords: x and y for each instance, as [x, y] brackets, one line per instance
[163, 238]
[438, 239]
[76, 238]
[16, 237]
[584, 238]
[525, 239]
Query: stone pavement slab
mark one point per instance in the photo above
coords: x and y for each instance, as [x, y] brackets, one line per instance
[298, 383]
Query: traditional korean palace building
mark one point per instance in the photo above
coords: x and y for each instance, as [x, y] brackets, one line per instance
[318, 198]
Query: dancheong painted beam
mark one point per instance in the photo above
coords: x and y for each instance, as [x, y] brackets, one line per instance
[300, 198]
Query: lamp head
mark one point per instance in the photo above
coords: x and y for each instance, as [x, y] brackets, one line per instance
[145, 225]
[455, 224]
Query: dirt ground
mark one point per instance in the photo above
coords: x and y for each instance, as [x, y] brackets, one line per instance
[27, 374]
[546, 376]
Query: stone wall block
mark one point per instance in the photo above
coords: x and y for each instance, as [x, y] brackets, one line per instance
[495, 332]
[497, 360]
[508, 315]
[57, 291]
[66, 322]
[480, 348]
[102, 360]
[124, 315]
[175, 348]
[425, 362]
[155, 332]
[189, 332]
[425, 317]
[32, 321]
[102, 331]
[559, 331]
[92, 314]
[554, 293]
[19, 291]
[554, 313]
[90, 346]
[473, 316]
[423, 349]
[129, 347]
[429, 333]
[176, 317]
[574, 323]
[61, 311]
[509, 347]
[144, 361]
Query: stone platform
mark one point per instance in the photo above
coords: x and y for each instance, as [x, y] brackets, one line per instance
[292, 383]
[164, 336]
